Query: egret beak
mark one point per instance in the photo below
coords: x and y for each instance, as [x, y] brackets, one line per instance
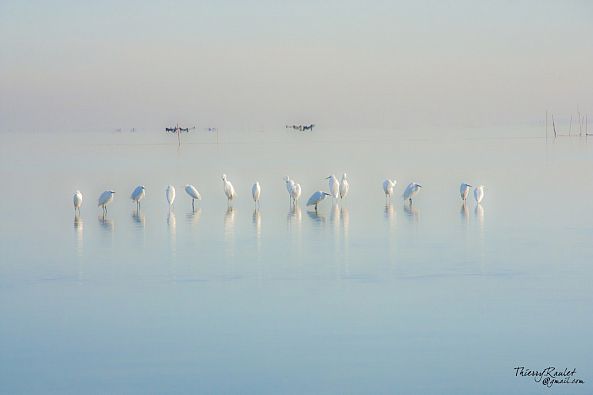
[327, 178]
[326, 194]
[471, 186]
[419, 185]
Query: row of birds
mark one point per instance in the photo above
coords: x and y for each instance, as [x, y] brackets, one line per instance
[337, 189]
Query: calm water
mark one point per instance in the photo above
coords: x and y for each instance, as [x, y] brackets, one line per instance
[359, 298]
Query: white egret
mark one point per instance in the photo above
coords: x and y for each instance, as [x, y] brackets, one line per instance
[316, 198]
[411, 190]
[256, 192]
[170, 194]
[77, 200]
[138, 194]
[334, 186]
[464, 190]
[344, 186]
[193, 194]
[388, 186]
[289, 186]
[296, 192]
[229, 191]
[105, 198]
[479, 193]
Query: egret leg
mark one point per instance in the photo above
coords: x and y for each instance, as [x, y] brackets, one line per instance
[192, 205]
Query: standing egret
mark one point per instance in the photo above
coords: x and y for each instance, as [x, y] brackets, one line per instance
[295, 193]
[411, 190]
[170, 194]
[193, 194]
[316, 198]
[229, 191]
[105, 198]
[289, 186]
[388, 186]
[256, 192]
[479, 193]
[334, 186]
[464, 190]
[344, 186]
[77, 200]
[138, 194]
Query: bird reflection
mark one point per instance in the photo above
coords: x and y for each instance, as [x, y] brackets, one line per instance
[345, 218]
[315, 216]
[172, 222]
[194, 217]
[139, 218]
[334, 215]
[256, 218]
[411, 212]
[294, 214]
[229, 220]
[389, 212]
[479, 212]
[464, 213]
[106, 223]
[78, 229]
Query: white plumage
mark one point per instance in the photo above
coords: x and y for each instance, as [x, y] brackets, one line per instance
[344, 186]
[411, 190]
[464, 190]
[388, 186]
[229, 191]
[334, 186]
[105, 198]
[256, 192]
[479, 193]
[77, 200]
[316, 198]
[138, 194]
[193, 194]
[296, 192]
[170, 194]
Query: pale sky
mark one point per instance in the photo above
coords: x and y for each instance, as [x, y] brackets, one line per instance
[74, 65]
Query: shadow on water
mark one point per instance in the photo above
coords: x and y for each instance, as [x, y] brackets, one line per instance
[193, 217]
[411, 212]
[256, 219]
[138, 218]
[106, 224]
[294, 215]
[316, 217]
[229, 231]
[79, 231]
[464, 213]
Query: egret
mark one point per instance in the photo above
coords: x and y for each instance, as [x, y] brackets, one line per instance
[296, 192]
[334, 186]
[316, 198]
[193, 194]
[77, 199]
[170, 194]
[388, 186]
[411, 190]
[344, 186]
[464, 190]
[479, 193]
[138, 194]
[229, 191]
[289, 186]
[256, 192]
[105, 198]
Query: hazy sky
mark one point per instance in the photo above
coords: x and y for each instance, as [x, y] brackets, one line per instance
[75, 65]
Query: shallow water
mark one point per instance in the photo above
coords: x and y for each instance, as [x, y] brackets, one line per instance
[361, 297]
